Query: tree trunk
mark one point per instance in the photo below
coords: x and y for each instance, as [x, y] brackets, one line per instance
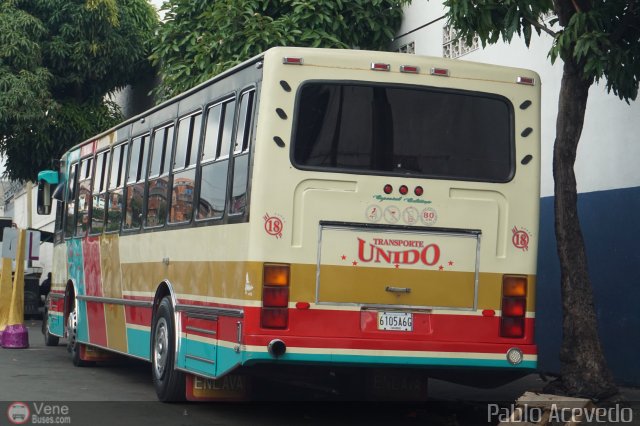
[583, 366]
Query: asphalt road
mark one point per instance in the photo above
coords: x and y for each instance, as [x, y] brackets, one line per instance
[120, 392]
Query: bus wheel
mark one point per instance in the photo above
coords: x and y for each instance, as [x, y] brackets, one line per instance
[49, 339]
[168, 382]
[72, 340]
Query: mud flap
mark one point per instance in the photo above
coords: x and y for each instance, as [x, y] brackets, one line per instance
[232, 387]
[89, 353]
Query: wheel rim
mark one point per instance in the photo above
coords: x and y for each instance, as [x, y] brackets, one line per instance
[161, 347]
[72, 325]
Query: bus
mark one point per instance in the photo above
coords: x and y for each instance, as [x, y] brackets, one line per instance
[314, 215]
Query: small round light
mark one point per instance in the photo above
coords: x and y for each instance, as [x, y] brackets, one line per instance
[404, 189]
[388, 189]
[514, 356]
[303, 305]
[418, 191]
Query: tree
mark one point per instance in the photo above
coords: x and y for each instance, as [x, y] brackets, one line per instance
[595, 40]
[24, 82]
[201, 39]
[58, 60]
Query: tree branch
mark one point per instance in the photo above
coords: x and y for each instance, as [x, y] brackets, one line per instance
[542, 27]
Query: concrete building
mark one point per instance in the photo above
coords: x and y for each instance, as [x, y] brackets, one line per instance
[608, 185]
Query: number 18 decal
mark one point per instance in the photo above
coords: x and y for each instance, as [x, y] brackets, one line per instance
[273, 225]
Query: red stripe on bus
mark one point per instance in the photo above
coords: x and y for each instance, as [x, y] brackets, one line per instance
[92, 272]
[138, 315]
[363, 324]
[97, 323]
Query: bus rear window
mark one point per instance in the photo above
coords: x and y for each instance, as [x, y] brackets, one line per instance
[404, 130]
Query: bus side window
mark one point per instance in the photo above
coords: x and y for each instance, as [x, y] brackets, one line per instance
[238, 201]
[58, 230]
[98, 206]
[70, 222]
[184, 168]
[138, 154]
[84, 197]
[116, 183]
[158, 185]
[215, 160]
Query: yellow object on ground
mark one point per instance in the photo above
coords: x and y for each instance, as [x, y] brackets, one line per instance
[5, 292]
[16, 310]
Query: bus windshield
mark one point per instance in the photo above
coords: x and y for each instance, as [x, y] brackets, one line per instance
[429, 132]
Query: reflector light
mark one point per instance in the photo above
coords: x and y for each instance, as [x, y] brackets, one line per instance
[380, 67]
[292, 61]
[303, 305]
[418, 191]
[274, 317]
[443, 72]
[515, 356]
[512, 327]
[514, 285]
[388, 189]
[488, 313]
[404, 190]
[275, 297]
[526, 80]
[274, 274]
[409, 69]
[514, 306]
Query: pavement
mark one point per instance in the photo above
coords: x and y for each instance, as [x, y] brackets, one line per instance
[122, 390]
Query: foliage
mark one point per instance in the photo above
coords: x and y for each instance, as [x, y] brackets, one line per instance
[24, 83]
[596, 39]
[58, 60]
[201, 39]
[601, 36]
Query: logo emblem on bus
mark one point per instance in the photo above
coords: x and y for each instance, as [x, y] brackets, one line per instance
[520, 238]
[429, 216]
[373, 213]
[398, 252]
[273, 225]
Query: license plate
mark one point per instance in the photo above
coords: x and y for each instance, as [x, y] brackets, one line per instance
[395, 321]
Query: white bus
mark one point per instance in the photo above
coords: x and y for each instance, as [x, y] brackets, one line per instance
[308, 213]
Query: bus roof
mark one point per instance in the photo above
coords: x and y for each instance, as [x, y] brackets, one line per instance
[350, 59]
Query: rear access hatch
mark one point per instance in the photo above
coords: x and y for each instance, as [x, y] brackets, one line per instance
[407, 267]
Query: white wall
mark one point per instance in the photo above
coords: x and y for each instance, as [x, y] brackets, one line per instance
[610, 144]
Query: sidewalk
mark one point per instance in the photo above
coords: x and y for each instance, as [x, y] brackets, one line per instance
[441, 390]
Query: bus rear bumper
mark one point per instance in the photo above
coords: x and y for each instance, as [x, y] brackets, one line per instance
[379, 352]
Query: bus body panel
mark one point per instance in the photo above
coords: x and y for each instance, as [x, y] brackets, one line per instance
[356, 255]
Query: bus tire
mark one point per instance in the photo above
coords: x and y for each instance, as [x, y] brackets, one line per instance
[73, 346]
[49, 339]
[168, 382]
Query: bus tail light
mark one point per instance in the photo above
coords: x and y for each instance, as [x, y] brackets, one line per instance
[441, 72]
[292, 61]
[409, 69]
[377, 66]
[275, 296]
[514, 306]
[529, 81]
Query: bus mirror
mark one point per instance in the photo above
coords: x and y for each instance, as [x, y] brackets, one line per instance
[44, 198]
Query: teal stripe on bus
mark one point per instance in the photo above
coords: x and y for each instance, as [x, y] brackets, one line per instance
[56, 324]
[138, 343]
[426, 361]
